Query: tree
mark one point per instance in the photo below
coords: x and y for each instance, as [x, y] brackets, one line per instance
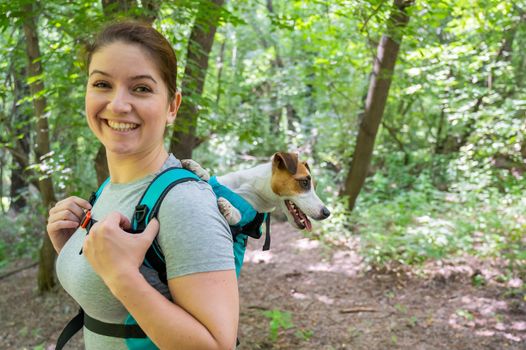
[380, 82]
[47, 253]
[183, 139]
[20, 157]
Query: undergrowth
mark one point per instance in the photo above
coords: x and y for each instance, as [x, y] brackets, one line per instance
[416, 222]
[21, 235]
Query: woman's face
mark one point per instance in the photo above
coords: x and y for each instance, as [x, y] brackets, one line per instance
[127, 104]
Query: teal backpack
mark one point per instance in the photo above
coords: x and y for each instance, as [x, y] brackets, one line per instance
[146, 210]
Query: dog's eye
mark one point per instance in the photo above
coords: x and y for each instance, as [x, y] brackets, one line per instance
[305, 184]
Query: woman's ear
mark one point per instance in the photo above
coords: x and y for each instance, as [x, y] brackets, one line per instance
[173, 108]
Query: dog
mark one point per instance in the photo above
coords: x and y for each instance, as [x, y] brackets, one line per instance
[284, 183]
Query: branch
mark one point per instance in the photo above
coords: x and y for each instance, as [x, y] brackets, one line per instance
[401, 145]
[20, 269]
[375, 11]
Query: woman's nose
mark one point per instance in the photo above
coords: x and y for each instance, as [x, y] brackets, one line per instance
[120, 103]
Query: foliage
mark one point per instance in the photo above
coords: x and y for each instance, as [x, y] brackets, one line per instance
[21, 236]
[413, 224]
[278, 320]
[447, 174]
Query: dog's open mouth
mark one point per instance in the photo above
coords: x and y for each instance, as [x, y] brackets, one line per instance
[300, 218]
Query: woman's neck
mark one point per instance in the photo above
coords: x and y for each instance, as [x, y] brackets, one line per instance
[128, 168]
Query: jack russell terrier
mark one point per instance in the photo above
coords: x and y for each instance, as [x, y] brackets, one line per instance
[285, 182]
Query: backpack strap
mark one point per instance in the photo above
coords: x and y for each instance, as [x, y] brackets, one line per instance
[266, 245]
[148, 208]
[73, 326]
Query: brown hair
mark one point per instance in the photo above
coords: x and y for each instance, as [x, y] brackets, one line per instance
[144, 35]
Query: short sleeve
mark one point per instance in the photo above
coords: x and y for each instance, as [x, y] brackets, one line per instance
[193, 234]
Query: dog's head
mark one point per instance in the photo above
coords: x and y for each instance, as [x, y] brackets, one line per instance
[293, 183]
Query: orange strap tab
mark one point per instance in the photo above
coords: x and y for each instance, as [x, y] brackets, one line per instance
[85, 221]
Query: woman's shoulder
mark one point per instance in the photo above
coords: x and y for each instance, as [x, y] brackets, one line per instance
[191, 189]
[190, 194]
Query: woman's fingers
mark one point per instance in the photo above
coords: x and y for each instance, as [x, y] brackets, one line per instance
[117, 219]
[124, 222]
[64, 218]
[150, 232]
[75, 205]
[64, 215]
[61, 225]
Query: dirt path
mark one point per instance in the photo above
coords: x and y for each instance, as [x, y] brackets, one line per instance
[333, 303]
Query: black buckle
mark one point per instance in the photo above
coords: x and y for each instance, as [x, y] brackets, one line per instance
[141, 211]
[92, 198]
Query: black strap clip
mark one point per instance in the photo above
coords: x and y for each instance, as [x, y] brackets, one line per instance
[266, 245]
[141, 211]
[92, 198]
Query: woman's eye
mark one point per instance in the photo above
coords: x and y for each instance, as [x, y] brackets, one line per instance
[100, 84]
[142, 88]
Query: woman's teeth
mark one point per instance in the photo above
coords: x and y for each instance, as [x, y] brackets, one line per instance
[122, 126]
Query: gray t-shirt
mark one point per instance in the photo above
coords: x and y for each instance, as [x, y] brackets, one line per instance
[193, 235]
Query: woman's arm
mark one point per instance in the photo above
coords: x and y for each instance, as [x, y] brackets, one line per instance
[204, 316]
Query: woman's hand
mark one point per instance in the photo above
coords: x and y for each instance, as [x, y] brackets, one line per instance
[64, 219]
[114, 253]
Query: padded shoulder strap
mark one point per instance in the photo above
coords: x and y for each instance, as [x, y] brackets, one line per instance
[149, 204]
[148, 208]
[95, 195]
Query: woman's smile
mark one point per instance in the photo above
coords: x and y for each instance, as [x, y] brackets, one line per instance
[121, 126]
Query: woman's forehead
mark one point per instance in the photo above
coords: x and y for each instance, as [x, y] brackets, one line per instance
[121, 56]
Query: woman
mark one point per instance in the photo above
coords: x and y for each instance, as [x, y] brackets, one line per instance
[130, 98]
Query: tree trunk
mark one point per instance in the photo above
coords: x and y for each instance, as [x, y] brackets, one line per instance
[183, 139]
[47, 254]
[101, 166]
[18, 187]
[383, 69]
[19, 174]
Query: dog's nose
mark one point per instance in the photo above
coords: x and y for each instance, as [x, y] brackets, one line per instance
[325, 212]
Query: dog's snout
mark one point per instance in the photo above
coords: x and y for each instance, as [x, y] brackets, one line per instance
[325, 213]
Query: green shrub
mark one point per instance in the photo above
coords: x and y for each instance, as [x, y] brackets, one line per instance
[416, 222]
[278, 320]
[21, 235]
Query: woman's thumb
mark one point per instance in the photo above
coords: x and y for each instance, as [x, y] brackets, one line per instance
[150, 232]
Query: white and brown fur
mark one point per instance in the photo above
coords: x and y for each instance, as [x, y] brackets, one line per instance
[284, 183]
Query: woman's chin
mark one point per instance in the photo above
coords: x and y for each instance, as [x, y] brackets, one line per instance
[119, 150]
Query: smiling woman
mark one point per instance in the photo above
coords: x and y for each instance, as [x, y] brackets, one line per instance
[130, 98]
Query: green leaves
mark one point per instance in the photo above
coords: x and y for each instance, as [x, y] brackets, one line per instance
[278, 320]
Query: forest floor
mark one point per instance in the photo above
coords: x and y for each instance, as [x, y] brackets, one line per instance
[334, 300]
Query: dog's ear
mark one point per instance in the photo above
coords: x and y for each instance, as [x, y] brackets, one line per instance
[286, 161]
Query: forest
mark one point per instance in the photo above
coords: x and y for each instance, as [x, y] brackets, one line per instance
[410, 113]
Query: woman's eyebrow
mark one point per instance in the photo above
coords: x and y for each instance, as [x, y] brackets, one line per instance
[95, 71]
[136, 77]
[144, 76]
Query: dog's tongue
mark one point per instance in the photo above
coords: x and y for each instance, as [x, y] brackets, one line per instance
[308, 225]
